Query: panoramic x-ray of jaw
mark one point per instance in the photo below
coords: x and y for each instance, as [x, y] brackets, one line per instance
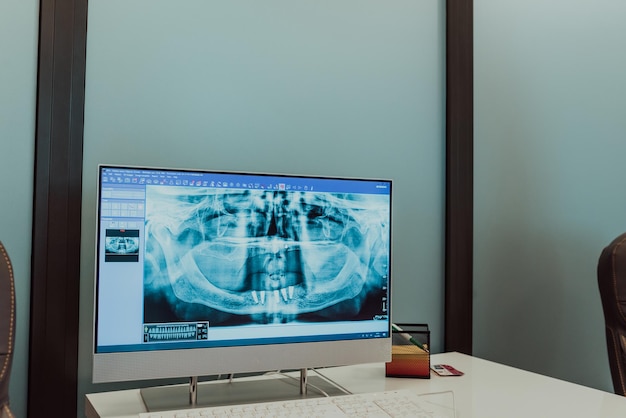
[121, 245]
[271, 255]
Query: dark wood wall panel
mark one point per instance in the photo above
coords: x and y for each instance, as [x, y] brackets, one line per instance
[55, 274]
[55, 263]
[459, 176]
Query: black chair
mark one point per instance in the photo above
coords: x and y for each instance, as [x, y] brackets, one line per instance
[612, 285]
[7, 329]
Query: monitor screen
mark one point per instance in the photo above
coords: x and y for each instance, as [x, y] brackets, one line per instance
[202, 272]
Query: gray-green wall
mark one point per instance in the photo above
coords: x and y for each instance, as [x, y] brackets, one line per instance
[18, 79]
[550, 118]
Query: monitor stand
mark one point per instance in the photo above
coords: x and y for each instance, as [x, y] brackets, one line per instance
[236, 392]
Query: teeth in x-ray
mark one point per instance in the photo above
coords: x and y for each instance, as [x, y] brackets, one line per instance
[259, 297]
[286, 293]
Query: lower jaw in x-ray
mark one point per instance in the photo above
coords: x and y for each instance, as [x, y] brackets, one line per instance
[277, 259]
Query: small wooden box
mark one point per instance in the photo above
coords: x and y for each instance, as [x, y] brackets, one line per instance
[410, 356]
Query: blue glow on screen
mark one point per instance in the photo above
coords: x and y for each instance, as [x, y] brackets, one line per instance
[257, 252]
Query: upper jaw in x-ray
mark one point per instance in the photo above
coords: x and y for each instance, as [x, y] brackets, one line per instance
[261, 253]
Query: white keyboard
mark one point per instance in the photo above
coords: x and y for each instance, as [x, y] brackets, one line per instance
[368, 405]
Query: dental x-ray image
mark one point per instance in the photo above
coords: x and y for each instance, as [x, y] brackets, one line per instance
[121, 245]
[235, 257]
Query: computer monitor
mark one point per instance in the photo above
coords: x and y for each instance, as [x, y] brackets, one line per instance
[202, 273]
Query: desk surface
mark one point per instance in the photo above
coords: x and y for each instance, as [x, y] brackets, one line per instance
[486, 390]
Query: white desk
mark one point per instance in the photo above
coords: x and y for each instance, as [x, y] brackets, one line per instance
[486, 390]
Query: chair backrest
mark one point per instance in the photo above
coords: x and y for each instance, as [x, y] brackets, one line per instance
[7, 328]
[612, 286]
